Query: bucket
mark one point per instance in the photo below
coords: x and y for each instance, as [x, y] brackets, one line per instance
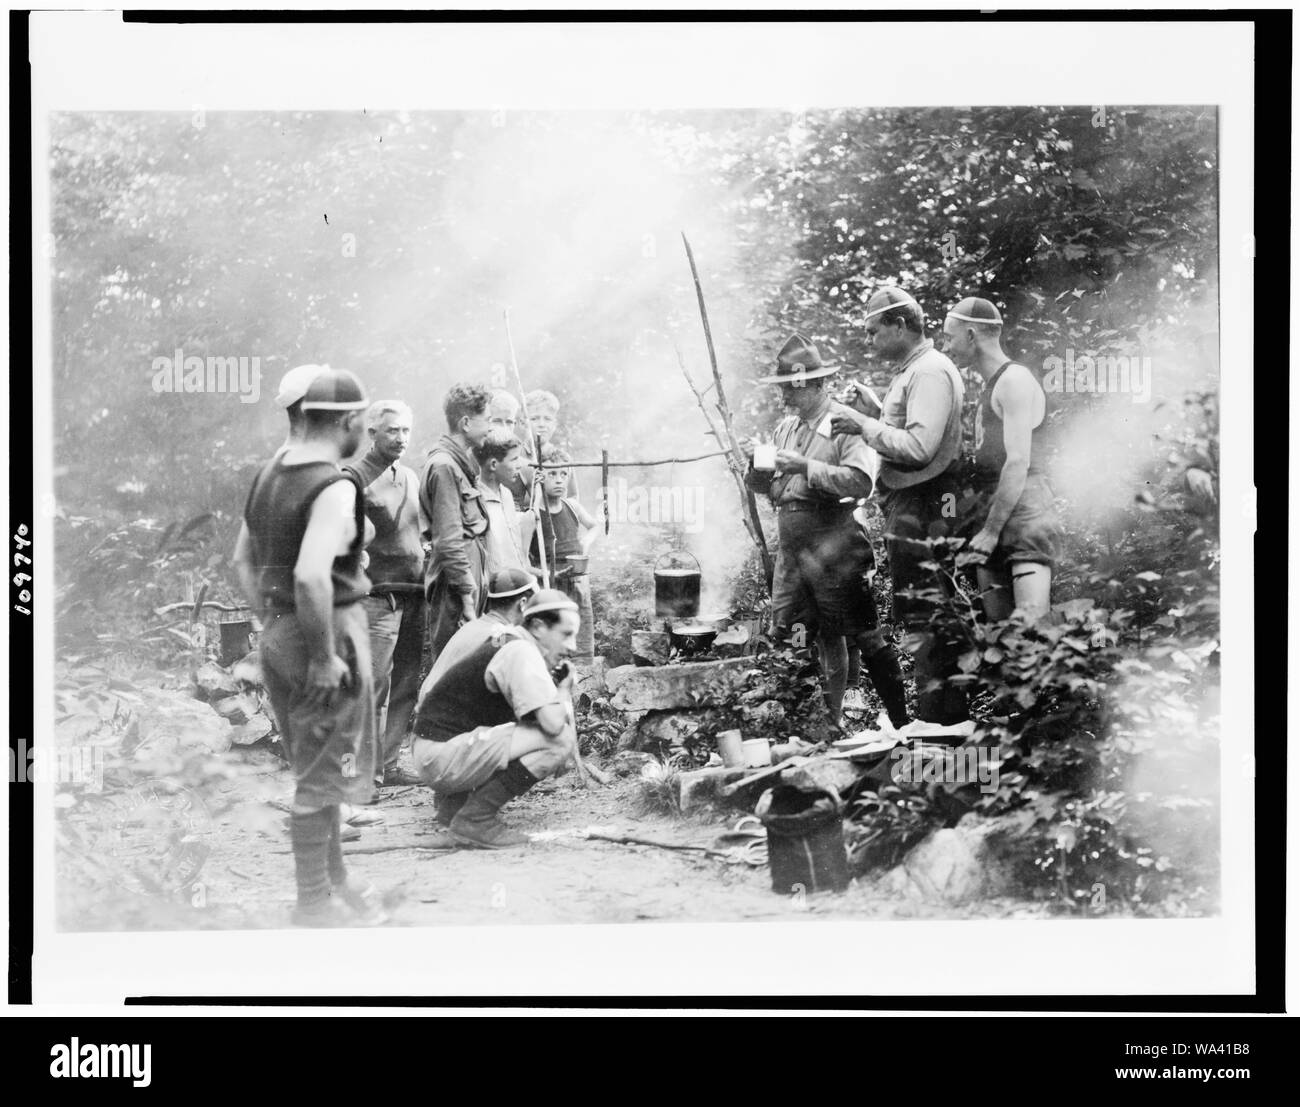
[805, 840]
[236, 640]
[677, 589]
[731, 748]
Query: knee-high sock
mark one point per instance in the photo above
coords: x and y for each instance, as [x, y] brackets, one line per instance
[311, 836]
[886, 674]
[337, 870]
[835, 663]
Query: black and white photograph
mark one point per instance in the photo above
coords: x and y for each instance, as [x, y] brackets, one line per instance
[729, 504]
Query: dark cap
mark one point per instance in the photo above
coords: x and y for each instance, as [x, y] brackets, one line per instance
[510, 582]
[335, 390]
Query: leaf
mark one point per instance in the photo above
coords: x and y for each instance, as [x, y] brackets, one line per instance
[969, 661]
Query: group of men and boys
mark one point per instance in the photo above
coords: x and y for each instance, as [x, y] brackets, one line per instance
[354, 566]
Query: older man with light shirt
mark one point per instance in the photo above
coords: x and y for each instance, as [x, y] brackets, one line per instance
[395, 605]
[917, 433]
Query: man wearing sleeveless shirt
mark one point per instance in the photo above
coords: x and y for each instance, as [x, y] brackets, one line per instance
[301, 549]
[918, 436]
[1018, 539]
[496, 721]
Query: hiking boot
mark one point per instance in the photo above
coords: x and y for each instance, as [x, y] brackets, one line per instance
[477, 824]
[397, 777]
[365, 901]
[448, 804]
[328, 912]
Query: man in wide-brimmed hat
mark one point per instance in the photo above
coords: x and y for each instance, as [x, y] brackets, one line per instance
[824, 561]
[918, 437]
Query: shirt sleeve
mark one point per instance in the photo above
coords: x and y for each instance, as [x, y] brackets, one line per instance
[518, 672]
[929, 402]
[849, 476]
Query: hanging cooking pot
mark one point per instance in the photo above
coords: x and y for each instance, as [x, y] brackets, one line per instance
[677, 589]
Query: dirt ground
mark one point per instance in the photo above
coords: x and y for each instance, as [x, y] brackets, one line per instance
[245, 870]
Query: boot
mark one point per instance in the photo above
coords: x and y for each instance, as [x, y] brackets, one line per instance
[448, 804]
[477, 824]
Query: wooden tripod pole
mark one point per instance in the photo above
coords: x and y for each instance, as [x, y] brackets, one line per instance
[737, 456]
[534, 499]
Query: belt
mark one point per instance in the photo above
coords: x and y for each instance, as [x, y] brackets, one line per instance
[816, 507]
[396, 589]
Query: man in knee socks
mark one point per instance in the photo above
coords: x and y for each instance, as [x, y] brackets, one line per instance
[299, 556]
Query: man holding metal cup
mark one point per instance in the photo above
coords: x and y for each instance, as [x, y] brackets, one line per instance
[824, 561]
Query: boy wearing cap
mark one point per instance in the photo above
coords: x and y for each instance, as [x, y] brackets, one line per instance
[497, 721]
[564, 525]
[454, 518]
[1016, 544]
[824, 560]
[395, 606]
[508, 591]
[918, 436]
[301, 551]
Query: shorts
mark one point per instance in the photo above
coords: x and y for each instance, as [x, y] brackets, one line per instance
[465, 762]
[332, 750]
[823, 571]
[1032, 533]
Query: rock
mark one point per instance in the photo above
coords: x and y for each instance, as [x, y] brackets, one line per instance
[823, 775]
[237, 709]
[257, 728]
[171, 723]
[629, 762]
[650, 647]
[705, 684]
[248, 670]
[767, 713]
[956, 865]
[666, 728]
[589, 677]
[701, 787]
[214, 683]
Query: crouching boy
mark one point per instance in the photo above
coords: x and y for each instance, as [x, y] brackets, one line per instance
[498, 721]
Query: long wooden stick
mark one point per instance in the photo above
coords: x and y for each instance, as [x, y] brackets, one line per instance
[736, 472]
[748, 501]
[537, 455]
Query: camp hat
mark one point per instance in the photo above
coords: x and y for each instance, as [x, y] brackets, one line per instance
[798, 361]
[294, 384]
[510, 582]
[891, 296]
[548, 599]
[973, 309]
[335, 390]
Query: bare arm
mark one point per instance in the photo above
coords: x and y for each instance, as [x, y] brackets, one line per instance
[243, 558]
[1015, 402]
[331, 529]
